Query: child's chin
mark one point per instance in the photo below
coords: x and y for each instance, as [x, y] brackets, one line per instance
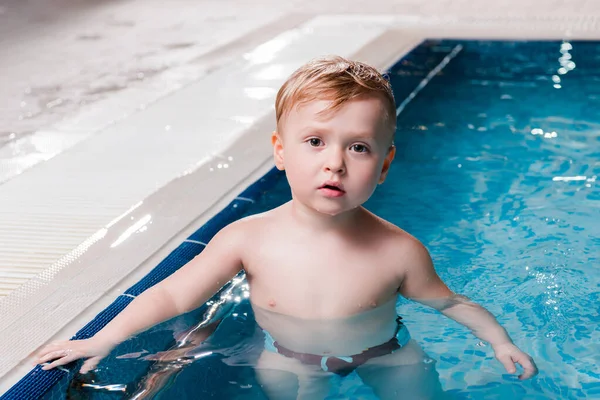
[333, 211]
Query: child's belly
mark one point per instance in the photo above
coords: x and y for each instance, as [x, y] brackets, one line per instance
[341, 337]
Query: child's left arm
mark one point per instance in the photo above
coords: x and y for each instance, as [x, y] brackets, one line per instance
[421, 283]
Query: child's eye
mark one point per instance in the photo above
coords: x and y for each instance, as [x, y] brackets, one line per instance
[314, 142]
[359, 148]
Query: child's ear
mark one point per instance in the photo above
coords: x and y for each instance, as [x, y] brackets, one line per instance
[386, 163]
[277, 150]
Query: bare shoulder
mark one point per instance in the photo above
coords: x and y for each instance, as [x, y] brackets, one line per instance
[400, 243]
[258, 221]
[251, 226]
[413, 264]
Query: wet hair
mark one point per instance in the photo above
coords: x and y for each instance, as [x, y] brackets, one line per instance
[338, 80]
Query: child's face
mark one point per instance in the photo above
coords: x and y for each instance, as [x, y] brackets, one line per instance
[334, 161]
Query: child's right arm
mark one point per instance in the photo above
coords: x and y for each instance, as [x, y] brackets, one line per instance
[188, 288]
[421, 283]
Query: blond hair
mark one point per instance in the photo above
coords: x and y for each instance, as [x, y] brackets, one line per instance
[336, 79]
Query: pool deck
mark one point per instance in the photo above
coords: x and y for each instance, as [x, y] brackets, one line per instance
[135, 124]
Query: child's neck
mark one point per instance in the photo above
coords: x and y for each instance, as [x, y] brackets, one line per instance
[314, 219]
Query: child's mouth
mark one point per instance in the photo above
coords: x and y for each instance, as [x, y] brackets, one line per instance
[331, 191]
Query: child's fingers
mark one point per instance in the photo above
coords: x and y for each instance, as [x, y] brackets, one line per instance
[90, 364]
[529, 367]
[508, 364]
[48, 349]
[52, 355]
[61, 361]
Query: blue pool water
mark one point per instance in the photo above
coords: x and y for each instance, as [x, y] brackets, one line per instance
[496, 174]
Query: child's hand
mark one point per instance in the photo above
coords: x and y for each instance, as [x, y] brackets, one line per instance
[64, 352]
[509, 354]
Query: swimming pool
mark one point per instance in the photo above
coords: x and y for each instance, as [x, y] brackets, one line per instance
[496, 173]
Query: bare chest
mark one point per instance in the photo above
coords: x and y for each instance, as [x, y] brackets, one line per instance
[320, 281]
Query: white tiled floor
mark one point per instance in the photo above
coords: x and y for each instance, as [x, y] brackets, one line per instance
[202, 106]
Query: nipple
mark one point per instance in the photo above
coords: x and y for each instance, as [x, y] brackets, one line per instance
[271, 303]
[373, 304]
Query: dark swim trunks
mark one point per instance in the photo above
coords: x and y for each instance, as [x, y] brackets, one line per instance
[341, 365]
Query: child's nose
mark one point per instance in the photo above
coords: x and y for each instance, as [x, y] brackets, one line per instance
[335, 163]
